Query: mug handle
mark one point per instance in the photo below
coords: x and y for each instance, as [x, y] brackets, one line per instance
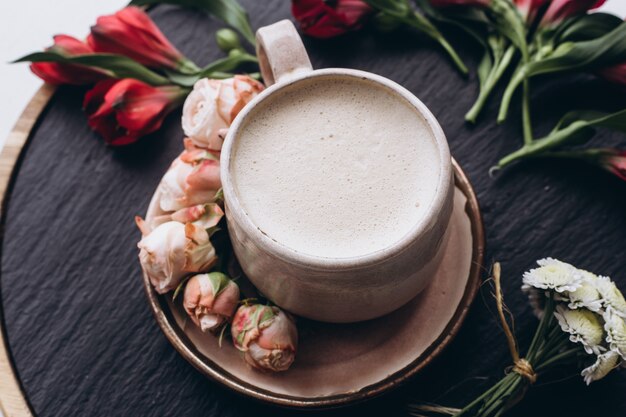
[281, 52]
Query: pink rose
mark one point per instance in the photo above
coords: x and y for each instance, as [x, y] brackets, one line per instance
[212, 105]
[266, 335]
[192, 179]
[173, 250]
[210, 300]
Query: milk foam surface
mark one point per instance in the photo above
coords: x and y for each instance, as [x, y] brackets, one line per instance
[337, 168]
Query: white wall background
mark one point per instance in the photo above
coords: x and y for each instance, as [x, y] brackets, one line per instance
[28, 25]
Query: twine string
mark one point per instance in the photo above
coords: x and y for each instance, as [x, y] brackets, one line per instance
[520, 365]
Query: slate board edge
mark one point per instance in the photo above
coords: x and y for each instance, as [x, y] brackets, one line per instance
[13, 402]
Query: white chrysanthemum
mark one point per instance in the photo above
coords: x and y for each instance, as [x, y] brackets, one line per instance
[604, 364]
[553, 274]
[583, 327]
[615, 327]
[587, 295]
[612, 297]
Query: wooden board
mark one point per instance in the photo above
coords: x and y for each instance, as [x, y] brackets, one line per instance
[80, 332]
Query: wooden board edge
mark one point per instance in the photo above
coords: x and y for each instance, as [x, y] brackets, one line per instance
[13, 401]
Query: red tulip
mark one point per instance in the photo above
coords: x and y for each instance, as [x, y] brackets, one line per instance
[562, 9]
[615, 74]
[529, 8]
[124, 110]
[131, 32]
[326, 19]
[613, 160]
[56, 73]
[448, 3]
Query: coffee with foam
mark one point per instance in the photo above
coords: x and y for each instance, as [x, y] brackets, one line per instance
[335, 167]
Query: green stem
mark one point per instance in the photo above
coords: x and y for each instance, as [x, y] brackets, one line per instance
[499, 402]
[486, 395]
[419, 22]
[541, 329]
[516, 80]
[458, 62]
[526, 120]
[227, 64]
[539, 146]
[568, 354]
[555, 349]
[187, 66]
[552, 342]
[492, 80]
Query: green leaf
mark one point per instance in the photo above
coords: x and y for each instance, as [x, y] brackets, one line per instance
[587, 27]
[219, 281]
[230, 63]
[218, 69]
[596, 53]
[404, 13]
[397, 8]
[604, 51]
[116, 66]
[509, 23]
[574, 128]
[472, 21]
[229, 11]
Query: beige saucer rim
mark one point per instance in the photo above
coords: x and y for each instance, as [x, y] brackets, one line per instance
[185, 347]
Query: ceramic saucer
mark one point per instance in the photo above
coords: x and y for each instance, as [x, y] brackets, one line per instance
[340, 364]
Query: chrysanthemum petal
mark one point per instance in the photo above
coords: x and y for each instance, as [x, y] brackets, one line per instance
[604, 364]
[615, 327]
[554, 275]
[612, 297]
[583, 327]
[587, 295]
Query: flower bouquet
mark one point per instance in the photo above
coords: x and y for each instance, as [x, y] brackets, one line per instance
[581, 322]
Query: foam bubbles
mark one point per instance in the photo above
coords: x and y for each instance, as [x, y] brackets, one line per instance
[335, 169]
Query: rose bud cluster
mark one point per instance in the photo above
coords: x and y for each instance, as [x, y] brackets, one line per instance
[266, 335]
[210, 300]
[203, 215]
[212, 106]
[173, 250]
[193, 178]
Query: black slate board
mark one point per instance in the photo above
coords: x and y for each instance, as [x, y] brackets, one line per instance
[84, 340]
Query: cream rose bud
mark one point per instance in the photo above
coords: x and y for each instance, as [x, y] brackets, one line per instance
[173, 250]
[213, 104]
[187, 184]
[210, 300]
[203, 215]
[266, 335]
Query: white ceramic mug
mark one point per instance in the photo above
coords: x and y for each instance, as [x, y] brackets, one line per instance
[325, 289]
